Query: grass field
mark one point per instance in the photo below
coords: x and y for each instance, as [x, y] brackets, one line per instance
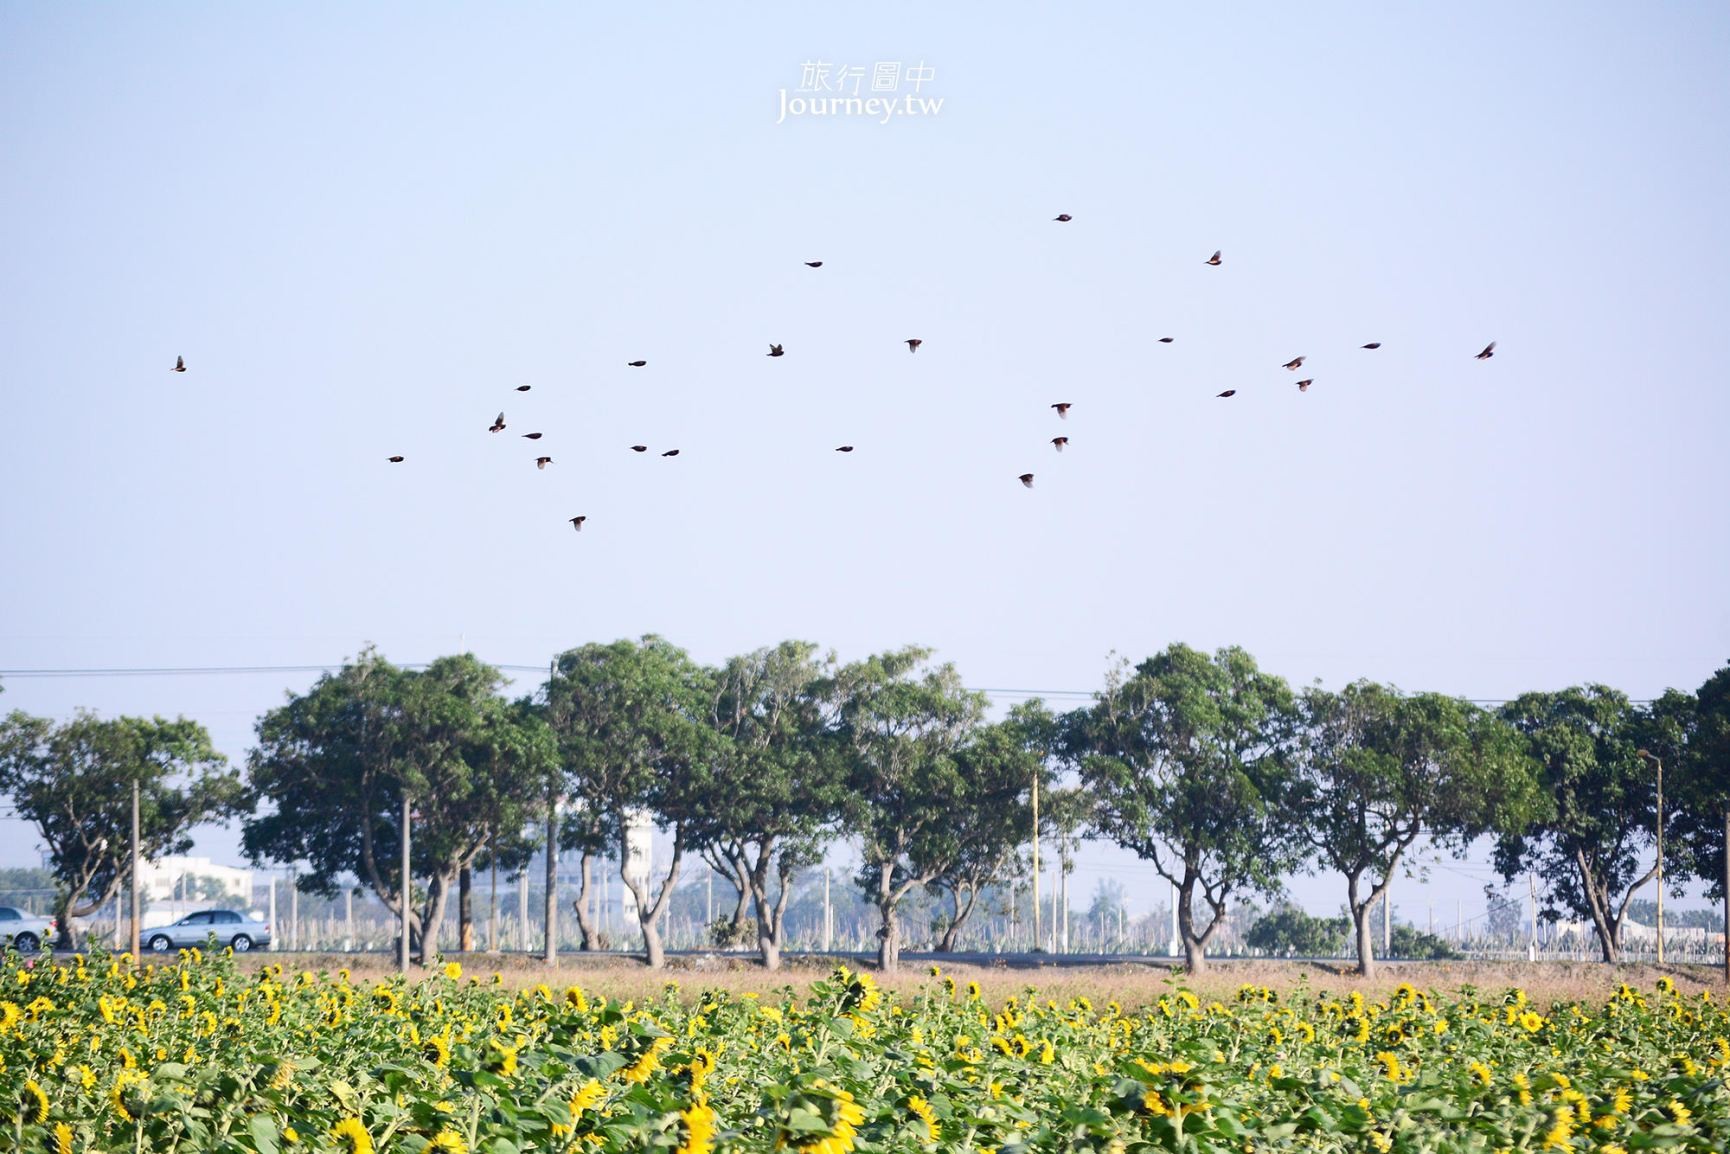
[210, 1053]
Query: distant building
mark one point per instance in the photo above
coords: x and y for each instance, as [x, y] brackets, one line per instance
[195, 881]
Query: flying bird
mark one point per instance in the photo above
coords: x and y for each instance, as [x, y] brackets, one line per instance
[543, 462]
[913, 344]
[636, 364]
[523, 388]
[844, 448]
[1489, 351]
[775, 351]
[397, 460]
[1294, 364]
[497, 425]
[671, 453]
[1166, 340]
[1063, 408]
[639, 448]
[1304, 385]
[1063, 216]
[1027, 479]
[1372, 345]
[1227, 393]
[531, 436]
[813, 264]
[1060, 442]
[179, 365]
[1214, 259]
[577, 523]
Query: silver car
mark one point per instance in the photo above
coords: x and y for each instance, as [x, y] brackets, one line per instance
[230, 929]
[24, 932]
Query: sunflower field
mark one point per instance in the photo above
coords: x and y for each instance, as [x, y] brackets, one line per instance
[200, 1055]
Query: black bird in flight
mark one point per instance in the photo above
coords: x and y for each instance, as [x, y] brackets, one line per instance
[671, 453]
[636, 364]
[1063, 216]
[531, 436]
[498, 424]
[523, 388]
[1027, 479]
[1166, 340]
[577, 523]
[639, 448]
[775, 351]
[1060, 442]
[1489, 351]
[844, 449]
[1294, 364]
[394, 460]
[1372, 345]
[179, 365]
[1214, 259]
[813, 264]
[1063, 408]
[913, 344]
[1304, 385]
[543, 462]
[1228, 393]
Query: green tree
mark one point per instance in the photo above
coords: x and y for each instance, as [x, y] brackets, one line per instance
[73, 782]
[335, 763]
[1288, 931]
[903, 725]
[1376, 769]
[629, 719]
[1591, 840]
[776, 786]
[1702, 797]
[1186, 757]
[994, 820]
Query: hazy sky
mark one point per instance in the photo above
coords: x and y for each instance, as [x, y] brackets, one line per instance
[363, 227]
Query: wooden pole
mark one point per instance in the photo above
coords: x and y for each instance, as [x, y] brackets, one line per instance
[550, 953]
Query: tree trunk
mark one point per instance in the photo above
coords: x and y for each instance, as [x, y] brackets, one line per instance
[1366, 939]
[585, 919]
[465, 910]
[438, 893]
[889, 938]
[649, 916]
[946, 945]
[550, 953]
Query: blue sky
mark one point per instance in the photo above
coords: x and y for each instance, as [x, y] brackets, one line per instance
[363, 227]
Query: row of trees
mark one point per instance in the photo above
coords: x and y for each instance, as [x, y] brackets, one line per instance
[1219, 774]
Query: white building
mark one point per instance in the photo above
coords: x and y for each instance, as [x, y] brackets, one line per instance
[195, 881]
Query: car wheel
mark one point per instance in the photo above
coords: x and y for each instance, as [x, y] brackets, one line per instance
[241, 943]
[25, 943]
[160, 944]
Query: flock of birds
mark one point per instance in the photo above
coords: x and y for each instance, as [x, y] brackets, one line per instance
[1061, 407]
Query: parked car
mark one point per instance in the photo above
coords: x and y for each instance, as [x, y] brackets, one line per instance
[25, 932]
[230, 929]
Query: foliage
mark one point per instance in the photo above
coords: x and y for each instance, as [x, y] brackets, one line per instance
[332, 766]
[1591, 844]
[197, 1055]
[1414, 944]
[1187, 758]
[1378, 768]
[1287, 931]
[74, 781]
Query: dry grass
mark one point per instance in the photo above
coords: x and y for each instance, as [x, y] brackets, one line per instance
[1130, 983]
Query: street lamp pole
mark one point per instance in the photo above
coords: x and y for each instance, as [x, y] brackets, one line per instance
[1660, 836]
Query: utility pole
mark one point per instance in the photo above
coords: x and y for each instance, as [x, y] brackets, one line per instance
[1036, 932]
[523, 910]
[348, 916]
[1532, 889]
[1388, 917]
[551, 953]
[1063, 882]
[1727, 894]
[136, 908]
[1655, 760]
[407, 890]
[709, 895]
[1174, 945]
[828, 915]
[493, 914]
[293, 911]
